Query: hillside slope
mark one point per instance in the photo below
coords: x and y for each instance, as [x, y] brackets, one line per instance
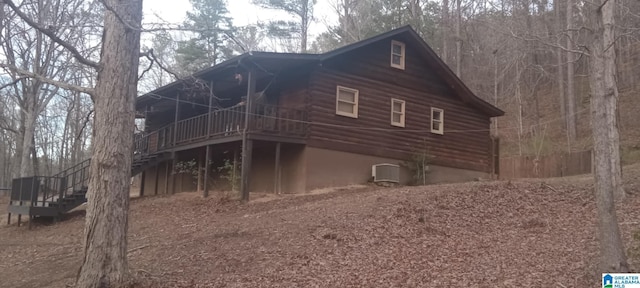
[483, 234]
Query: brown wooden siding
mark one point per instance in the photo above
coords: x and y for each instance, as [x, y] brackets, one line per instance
[466, 140]
[373, 62]
[294, 96]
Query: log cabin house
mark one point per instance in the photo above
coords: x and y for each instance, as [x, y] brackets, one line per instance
[314, 120]
[311, 121]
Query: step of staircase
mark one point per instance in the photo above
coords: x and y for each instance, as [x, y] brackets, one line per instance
[54, 205]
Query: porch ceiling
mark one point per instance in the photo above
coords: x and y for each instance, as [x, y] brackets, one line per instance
[223, 78]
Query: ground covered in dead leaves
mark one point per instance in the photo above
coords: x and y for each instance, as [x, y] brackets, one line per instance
[531, 233]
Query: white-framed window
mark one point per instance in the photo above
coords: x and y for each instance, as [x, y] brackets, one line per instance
[347, 102]
[397, 112]
[397, 54]
[437, 120]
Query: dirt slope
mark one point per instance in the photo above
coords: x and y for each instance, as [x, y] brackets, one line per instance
[498, 234]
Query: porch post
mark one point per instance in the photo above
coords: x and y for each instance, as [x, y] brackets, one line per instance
[175, 120]
[276, 171]
[166, 179]
[209, 111]
[247, 144]
[142, 180]
[175, 141]
[157, 176]
[206, 172]
[173, 178]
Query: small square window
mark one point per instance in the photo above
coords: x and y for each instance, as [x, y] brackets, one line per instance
[347, 102]
[437, 121]
[397, 112]
[397, 54]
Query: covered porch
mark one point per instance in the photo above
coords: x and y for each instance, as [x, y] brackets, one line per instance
[250, 98]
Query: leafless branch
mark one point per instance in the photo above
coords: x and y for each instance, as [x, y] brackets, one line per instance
[146, 54]
[153, 57]
[12, 82]
[3, 126]
[84, 125]
[554, 45]
[53, 36]
[602, 5]
[47, 80]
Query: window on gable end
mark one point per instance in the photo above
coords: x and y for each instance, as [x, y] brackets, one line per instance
[397, 54]
[347, 102]
[397, 112]
[437, 121]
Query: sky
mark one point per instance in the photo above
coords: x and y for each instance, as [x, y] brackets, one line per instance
[242, 12]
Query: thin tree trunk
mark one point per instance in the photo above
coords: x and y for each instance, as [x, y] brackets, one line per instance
[560, 63]
[443, 29]
[34, 157]
[105, 243]
[495, 90]
[520, 107]
[571, 97]
[604, 109]
[304, 26]
[458, 38]
[64, 144]
[75, 128]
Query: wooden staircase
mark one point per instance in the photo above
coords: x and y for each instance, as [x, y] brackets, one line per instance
[53, 196]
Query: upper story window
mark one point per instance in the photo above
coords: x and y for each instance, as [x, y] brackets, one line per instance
[397, 54]
[437, 120]
[347, 102]
[397, 112]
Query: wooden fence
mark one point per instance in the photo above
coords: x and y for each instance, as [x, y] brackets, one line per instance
[554, 165]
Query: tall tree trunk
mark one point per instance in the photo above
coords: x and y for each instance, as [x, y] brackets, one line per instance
[571, 97]
[34, 157]
[75, 128]
[495, 90]
[105, 243]
[27, 141]
[64, 144]
[458, 38]
[560, 72]
[19, 147]
[304, 26]
[443, 29]
[604, 109]
[520, 107]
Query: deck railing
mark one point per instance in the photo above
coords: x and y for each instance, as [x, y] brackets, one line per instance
[267, 119]
[41, 190]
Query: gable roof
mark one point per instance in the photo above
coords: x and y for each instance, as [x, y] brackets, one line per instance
[281, 61]
[432, 58]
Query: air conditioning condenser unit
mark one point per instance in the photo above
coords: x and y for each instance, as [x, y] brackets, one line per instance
[386, 172]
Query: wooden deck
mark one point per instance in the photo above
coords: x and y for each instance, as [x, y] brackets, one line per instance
[268, 122]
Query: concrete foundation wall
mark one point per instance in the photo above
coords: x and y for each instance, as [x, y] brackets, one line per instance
[440, 174]
[328, 168]
[292, 177]
[262, 169]
[302, 169]
[150, 181]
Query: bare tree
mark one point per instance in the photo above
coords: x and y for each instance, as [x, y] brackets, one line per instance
[105, 243]
[570, 95]
[301, 9]
[30, 51]
[604, 114]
